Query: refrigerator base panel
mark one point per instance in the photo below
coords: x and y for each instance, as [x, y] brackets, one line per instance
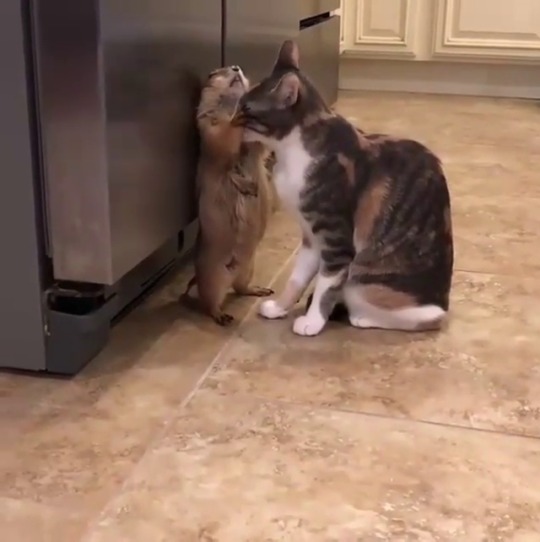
[79, 329]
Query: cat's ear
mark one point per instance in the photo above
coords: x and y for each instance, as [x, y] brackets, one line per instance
[288, 56]
[287, 90]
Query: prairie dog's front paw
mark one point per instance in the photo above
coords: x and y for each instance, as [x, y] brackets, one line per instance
[250, 137]
[308, 327]
[250, 189]
[271, 310]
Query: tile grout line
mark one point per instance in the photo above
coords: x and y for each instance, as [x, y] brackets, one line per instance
[233, 338]
[388, 417]
[530, 272]
[94, 522]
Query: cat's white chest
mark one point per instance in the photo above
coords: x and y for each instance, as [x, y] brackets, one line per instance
[292, 164]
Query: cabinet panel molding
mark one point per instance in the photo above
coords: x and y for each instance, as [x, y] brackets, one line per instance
[380, 28]
[341, 10]
[488, 29]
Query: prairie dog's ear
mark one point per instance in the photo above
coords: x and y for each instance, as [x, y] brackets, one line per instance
[287, 90]
[288, 56]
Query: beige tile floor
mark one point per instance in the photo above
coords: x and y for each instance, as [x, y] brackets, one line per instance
[181, 431]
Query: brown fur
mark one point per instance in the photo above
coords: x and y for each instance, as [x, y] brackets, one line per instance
[385, 297]
[348, 166]
[269, 163]
[234, 198]
[368, 209]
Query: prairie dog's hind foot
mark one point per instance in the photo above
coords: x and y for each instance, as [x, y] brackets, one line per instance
[192, 282]
[223, 319]
[255, 291]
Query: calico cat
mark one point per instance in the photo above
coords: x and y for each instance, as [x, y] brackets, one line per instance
[374, 210]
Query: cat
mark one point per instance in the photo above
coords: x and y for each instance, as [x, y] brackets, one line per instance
[234, 198]
[374, 210]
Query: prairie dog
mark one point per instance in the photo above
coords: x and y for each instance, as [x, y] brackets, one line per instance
[234, 197]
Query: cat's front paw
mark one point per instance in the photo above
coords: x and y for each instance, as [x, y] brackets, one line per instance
[271, 310]
[308, 327]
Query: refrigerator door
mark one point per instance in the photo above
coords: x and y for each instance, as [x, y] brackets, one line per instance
[22, 333]
[254, 31]
[319, 55]
[118, 82]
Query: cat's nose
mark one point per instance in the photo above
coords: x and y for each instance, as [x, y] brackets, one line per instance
[235, 68]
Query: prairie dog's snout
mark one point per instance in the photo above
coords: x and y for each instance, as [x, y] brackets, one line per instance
[218, 105]
[222, 91]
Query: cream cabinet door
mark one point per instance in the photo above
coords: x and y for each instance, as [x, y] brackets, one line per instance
[488, 30]
[379, 28]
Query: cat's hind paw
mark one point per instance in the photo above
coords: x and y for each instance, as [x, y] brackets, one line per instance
[361, 322]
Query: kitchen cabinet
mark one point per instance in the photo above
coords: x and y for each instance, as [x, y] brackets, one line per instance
[380, 28]
[442, 30]
[505, 30]
[468, 47]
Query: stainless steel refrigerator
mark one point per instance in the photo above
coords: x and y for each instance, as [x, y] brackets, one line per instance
[98, 150]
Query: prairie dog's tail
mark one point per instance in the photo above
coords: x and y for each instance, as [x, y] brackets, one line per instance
[187, 300]
[192, 282]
